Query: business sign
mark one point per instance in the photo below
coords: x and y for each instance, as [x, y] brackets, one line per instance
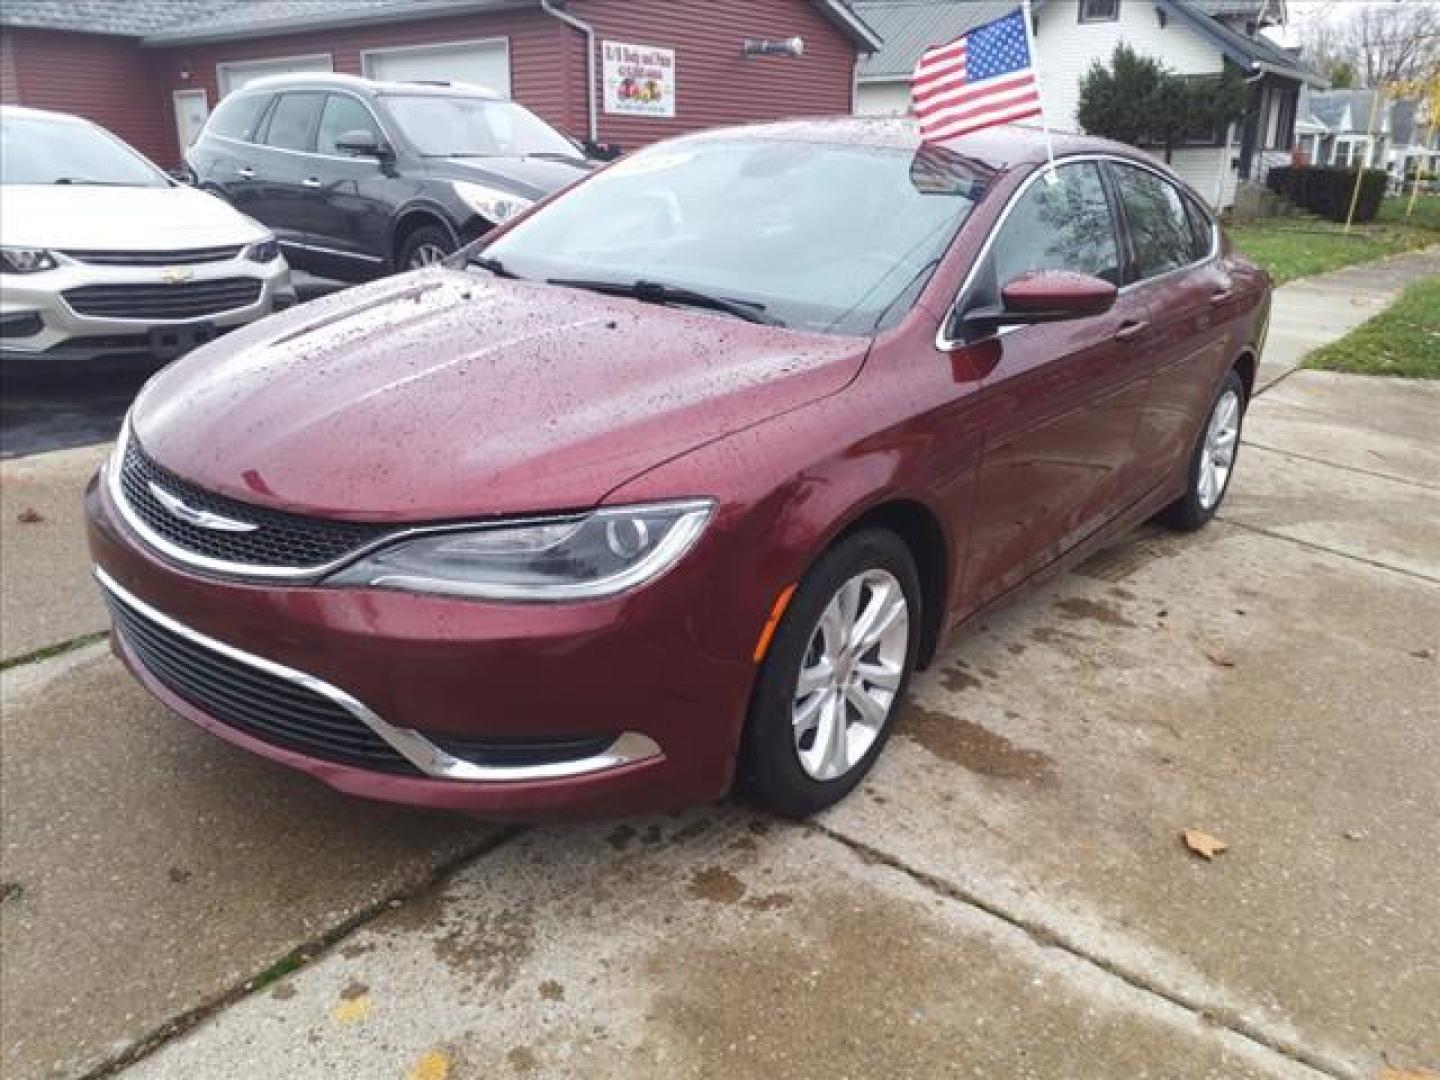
[639, 79]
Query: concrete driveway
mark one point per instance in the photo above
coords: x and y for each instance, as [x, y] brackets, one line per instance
[1007, 896]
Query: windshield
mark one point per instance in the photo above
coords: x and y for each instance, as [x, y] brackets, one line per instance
[474, 127]
[34, 150]
[836, 238]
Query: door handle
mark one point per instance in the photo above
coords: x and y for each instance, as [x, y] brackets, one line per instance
[1131, 328]
[244, 172]
[1222, 296]
[311, 182]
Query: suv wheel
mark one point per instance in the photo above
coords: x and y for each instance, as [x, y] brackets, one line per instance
[425, 246]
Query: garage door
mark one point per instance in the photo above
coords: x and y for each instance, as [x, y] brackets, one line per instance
[238, 73]
[486, 63]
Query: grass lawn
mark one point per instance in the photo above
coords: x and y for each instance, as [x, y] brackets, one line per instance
[1402, 340]
[1291, 248]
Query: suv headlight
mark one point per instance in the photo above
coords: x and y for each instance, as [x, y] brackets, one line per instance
[579, 558]
[490, 203]
[263, 251]
[18, 260]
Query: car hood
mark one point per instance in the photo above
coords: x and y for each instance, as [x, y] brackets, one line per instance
[532, 177]
[446, 394]
[94, 218]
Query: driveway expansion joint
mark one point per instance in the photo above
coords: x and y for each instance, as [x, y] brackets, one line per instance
[1049, 937]
[1372, 473]
[1310, 545]
[305, 953]
[49, 652]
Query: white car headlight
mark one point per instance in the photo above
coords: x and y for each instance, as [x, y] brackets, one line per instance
[490, 203]
[19, 260]
[577, 558]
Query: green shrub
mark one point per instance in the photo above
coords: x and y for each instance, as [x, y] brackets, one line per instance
[1327, 191]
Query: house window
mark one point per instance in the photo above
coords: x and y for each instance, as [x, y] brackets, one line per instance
[1099, 10]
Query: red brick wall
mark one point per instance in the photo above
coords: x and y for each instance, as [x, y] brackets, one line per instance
[9, 85]
[104, 79]
[715, 82]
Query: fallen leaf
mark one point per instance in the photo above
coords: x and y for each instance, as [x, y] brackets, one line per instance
[30, 516]
[1424, 654]
[1219, 658]
[431, 1065]
[1203, 844]
[351, 1010]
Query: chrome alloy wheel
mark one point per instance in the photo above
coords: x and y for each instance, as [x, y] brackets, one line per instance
[426, 255]
[1217, 456]
[850, 674]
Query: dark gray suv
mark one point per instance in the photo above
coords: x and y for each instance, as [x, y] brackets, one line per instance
[359, 178]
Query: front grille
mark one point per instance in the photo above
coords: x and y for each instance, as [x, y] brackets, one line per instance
[282, 540]
[189, 257]
[249, 699]
[186, 300]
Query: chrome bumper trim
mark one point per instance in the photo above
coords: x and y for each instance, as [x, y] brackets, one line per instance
[628, 748]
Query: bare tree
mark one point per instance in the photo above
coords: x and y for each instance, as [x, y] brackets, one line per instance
[1379, 43]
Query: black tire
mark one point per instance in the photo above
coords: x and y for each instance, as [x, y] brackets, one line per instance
[426, 237]
[1189, 512]
[771, 773]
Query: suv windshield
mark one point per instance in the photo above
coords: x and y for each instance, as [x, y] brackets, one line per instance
[35, 150]
[440, 126]
[837, 238]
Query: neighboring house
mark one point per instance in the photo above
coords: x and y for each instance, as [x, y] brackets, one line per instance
[1191, 37]
[150, 70]
[1354, 128]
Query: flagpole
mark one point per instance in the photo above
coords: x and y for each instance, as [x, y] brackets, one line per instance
[1035, 66]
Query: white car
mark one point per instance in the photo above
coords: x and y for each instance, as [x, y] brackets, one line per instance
[103, 255]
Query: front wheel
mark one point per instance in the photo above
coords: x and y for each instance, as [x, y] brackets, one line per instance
[426, 246]
[1212, 462]
[834, 676]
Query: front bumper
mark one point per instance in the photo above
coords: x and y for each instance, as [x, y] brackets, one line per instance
[38, 325]
[637, 670]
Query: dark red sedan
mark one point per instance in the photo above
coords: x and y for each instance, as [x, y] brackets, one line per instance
[674, 482]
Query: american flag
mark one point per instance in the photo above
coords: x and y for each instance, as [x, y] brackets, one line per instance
[981, 78]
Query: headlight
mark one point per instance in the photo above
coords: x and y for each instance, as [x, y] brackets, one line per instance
[263, 251]
[17, 260]
[495, 206]
[583, 558]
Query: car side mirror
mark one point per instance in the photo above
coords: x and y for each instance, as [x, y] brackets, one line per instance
[1041, 296]
[362, 143]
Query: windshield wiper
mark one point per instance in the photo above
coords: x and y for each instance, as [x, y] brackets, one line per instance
[489, 262]
[655, 292]
[89, 183]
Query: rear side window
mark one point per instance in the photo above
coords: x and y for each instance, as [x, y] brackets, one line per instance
[342, 115]
[1066, 225]
[238, 116]
[1202, 232]
[292, 122]
[1160, 228]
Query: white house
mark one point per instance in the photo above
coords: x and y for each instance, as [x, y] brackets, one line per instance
[1191, 37]
[1350, 128]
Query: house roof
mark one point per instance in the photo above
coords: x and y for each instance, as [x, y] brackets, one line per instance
[909, 27]
[1403, 121]
[1329, 108]
[166, 22]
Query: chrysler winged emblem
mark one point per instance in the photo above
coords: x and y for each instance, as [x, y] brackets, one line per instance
[176, 274]
[201, 519]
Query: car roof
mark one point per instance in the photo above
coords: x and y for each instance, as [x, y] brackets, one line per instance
[1003, 146]
[322, 80]
[25, 112]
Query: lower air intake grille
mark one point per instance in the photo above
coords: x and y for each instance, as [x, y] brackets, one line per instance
[249, 699]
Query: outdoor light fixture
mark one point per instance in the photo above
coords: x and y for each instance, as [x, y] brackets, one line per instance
[794, 46]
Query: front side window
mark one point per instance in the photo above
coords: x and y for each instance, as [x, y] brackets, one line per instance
[833, 238]
[292, 123]
[239, 116]
[1099, 10]
[440, 126]
[1159, 227]
[1202, 231]
[36, 150]
[343, 114]
[1066, 225]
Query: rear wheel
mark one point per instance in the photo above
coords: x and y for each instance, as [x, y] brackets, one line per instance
[425, 246]
[834, 676]
[1212, 462]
